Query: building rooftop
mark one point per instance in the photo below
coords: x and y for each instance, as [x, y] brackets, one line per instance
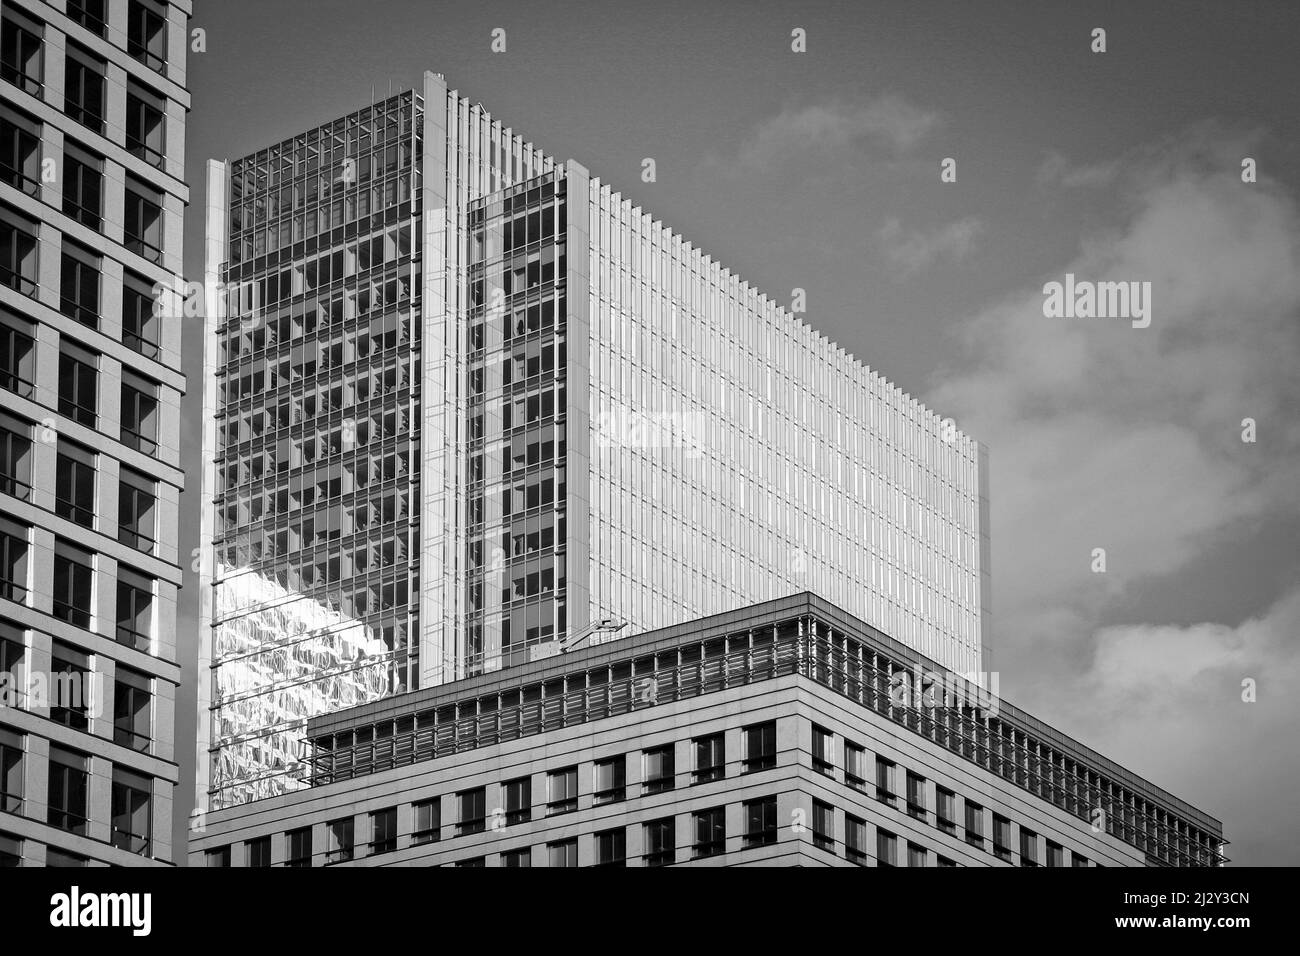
[800, 635]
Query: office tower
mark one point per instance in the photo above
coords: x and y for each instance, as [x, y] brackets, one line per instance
[786, 733]
[93, 192]
[463, 401]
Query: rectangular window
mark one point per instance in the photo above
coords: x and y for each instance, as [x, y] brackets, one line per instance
[823, 751]
[140, 325]
[13, 561]
[144, 124]
[471, 808]
[759, 747]
[710, 761]
[915, 855]
[146, 34]
[946, 810]
[70, 688]
[519, 800]
[710, 832]
[660, 840]
[610, 780]
[1055, 854]
[562, 791]
[69, 783]
[258, 852]
[89, 14]
[299, 847]
[83, 88]
[942, 861]
[134, 609]
[139, 416]
[20, 151]
[78, 387]
[340, 834]
[383, 831]
[887, 781]
[1001, 837]
[916, 795]
[974, 824]
[19, 252]
[657, 769]
[132, 705]
[79, 284]
[73, 574]
[220, 857]
[760, 822]
[20, 51]
[886, 848]
[823, 825]
[562, 853]
[17, 355]
[131, 803]
[11, 771]
[855, 766]
[1077, 860]
[522, 857]
[474, 862]
[428, 821]
[83, 185]
[11, 851]
[855, 840]
[611, 847]
[15, 460]
[74, 483]
[136, 508]
[143, 229]
[1028, 847]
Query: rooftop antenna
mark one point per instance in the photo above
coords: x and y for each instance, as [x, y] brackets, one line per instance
[606, 625]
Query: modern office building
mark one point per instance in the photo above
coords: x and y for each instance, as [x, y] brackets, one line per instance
[463, 401]
[786, 733]
[92, 184]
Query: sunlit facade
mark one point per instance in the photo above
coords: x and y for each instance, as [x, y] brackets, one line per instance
[463, 401]
[93, 107]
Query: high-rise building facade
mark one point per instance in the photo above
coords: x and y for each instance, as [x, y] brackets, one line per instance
[92, 183]
[462, 400]
[786, 733]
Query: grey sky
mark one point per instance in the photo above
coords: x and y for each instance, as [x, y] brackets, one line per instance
[821, 171]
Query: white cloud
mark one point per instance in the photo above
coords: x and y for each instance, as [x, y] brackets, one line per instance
[1102, 435]
[1169, 700]
[913, 251]
[888, 121]
[1057, 170]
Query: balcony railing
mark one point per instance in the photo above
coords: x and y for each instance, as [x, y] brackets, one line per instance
[138, 343]
[19, 180]
[132, 638]
[135, 539]
[142, 150]
[19, 77]
[18, 281]
[130, 738]
[13, 382]
[15, 487]
[137, 843]
[64, 611]
[67, 820]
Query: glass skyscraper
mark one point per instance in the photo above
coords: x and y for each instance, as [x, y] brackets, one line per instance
[463, 400]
